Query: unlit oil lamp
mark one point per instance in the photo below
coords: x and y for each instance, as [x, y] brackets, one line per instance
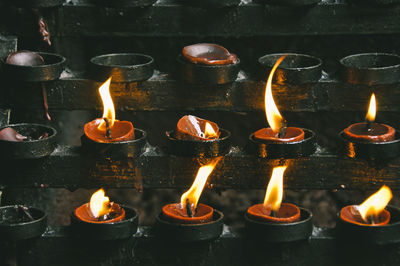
[31, 66]
[275, 221]
[110, 136]
[369, 139]
[18, 222]
[207, 63]
[103, 219]
[270, 142]
[197, 137]
[189, 221]
[27, 141]
[372, 221]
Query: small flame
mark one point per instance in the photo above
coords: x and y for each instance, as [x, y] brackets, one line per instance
[375, 203]
[372, 109]
[274, 118]
[209, 131]
[274, 195]
[99, 204]
[108, 105]
[194, 193]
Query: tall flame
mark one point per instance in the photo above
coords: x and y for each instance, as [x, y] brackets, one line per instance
[274, 194]
[372, 109]
[274, 118]
[209, 131]
[99, 203]
[194, 193]
[375, 203]
[108, 105]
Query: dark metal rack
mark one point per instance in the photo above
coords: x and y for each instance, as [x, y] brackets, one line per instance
[68, 168]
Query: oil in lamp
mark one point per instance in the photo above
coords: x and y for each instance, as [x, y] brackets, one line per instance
[370, 131]
[100, 210]
[371, 212]
[108, 129]
[190, 127]
[273, 210]
[278, 130]
[188, 211]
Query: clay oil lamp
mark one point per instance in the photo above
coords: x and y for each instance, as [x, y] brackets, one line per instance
[18, 222]
[278, 140]
[189, 221]
[369, 139]
[207, 63]
[109, 136]
[122, 67]
[372, 221]
[27, 141]
[197, 137]
[28, 66]
[274, 221]
[105, 220]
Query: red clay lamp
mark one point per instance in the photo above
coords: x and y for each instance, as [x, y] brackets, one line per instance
[273, 210]
[278, 131]
[100, 210]
[188, 211]
[108, 129]
[370, 131]
[190, 127]
[208, 54]
[371, 212]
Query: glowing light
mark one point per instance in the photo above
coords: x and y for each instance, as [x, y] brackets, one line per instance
[99, 203]
[371, 110]
[375, 203]
[274, 194]
[108, 105]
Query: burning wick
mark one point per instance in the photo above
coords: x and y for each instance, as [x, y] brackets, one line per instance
[273, 210]
[108, 128]
[369, 131]
[188, 211]
[372, 211]
[278, 130]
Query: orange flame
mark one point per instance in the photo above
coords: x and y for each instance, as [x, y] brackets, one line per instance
[99, 204]
[274, 194]
[194, 193]
[372, 109]
[209, 131]
[274, 118]
[375, 203]
[108, 105]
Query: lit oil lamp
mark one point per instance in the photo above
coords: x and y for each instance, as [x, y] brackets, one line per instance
[278, 130]
[100, 210]
[371, 212]
[101, 219]
[197, 137]
[189, 221]
[370, 131]
[372, 222]
[188, 211]
[274, 221]
[108, 129]
[278, 140]
[273, 210]
[190, 127]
